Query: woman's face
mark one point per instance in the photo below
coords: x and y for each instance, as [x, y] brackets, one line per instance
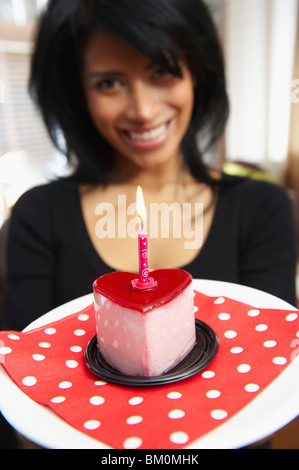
[142, 111]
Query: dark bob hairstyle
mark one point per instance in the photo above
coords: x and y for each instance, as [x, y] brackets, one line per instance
[158, 29]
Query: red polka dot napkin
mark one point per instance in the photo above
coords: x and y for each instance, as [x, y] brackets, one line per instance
[48, 364]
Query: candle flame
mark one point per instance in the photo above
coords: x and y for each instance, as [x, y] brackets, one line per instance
[140, 207]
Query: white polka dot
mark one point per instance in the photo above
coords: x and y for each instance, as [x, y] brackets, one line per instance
[83, 317]
[92, 424]
[38, 357]
[116, 323]
[213, 394]
[237, 350]
[280, 361]
[132, 443]
[29, 381]
[58, 399]
[76, 349]
[291, 317]
[71, 364]
[79, 332]
[261, 327]
[219, 414]
[176, 414]
[243, 368]
[115, 344]
[174, 395]
[270, 344]
[251, 388]
[253, 313]
[65, 384]
[195, 309]
[44, 345]
[134, 420]
[100, 382]
[224, 316]
[230, 334]
[208, 374]
[179, 437]
[50, 331]
[5, 350]
[135, 401]
[97, 400]
[13, 337]
[219, 301]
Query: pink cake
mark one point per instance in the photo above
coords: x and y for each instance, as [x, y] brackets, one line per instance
[145, 333]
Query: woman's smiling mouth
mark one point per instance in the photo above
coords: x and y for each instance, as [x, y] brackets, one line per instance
[148, 138]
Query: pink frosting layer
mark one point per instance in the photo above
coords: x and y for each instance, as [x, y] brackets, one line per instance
[117, 286]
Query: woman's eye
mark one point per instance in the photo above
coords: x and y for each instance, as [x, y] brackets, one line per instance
[108, 84]
[163, 74]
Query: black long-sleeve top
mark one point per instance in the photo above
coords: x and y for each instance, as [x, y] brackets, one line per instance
[51, 259]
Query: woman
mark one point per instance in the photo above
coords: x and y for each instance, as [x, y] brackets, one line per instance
[134, 92]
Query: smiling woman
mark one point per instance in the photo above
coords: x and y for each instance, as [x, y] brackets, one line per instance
[137, 102]
[166, 35]
[142, 111]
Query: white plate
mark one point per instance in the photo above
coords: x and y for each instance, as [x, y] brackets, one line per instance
[272, 409]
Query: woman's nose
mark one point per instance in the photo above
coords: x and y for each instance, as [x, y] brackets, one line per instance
[142, 103]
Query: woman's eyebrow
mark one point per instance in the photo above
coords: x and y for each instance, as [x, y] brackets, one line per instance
[104, 74]
[116, 73]
[151, 65]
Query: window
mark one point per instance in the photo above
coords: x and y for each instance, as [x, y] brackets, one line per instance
[260, 39]
[20, 12]
[27, 156]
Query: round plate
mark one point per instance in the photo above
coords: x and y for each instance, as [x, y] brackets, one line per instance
[204, 351]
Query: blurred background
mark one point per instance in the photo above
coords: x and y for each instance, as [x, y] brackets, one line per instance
[259, 40]
[27, 156]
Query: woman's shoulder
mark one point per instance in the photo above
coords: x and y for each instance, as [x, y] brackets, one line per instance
[45, 191]
[257, 203]
[259, 190]
[45, 199]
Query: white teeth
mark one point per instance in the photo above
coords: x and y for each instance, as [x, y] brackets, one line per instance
[148, 135]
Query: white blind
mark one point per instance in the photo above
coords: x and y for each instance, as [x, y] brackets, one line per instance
[20, 123]
[27, 155]
[260, 49]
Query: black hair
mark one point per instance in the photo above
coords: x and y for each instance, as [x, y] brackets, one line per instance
[157, 28]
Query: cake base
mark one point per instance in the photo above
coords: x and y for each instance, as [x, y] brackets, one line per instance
[202, 354]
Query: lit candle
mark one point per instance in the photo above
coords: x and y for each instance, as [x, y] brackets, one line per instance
[144, 282]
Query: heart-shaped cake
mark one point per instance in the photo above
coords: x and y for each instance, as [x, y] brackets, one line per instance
[145, 333]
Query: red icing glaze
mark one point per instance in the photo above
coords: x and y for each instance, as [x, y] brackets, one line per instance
[117, 287]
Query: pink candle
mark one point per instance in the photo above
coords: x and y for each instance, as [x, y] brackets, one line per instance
[144, 282]
[143, 256]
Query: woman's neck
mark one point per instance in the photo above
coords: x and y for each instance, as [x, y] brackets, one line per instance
[172, 172]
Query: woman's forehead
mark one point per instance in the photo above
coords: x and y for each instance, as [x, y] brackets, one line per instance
[107, 50]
